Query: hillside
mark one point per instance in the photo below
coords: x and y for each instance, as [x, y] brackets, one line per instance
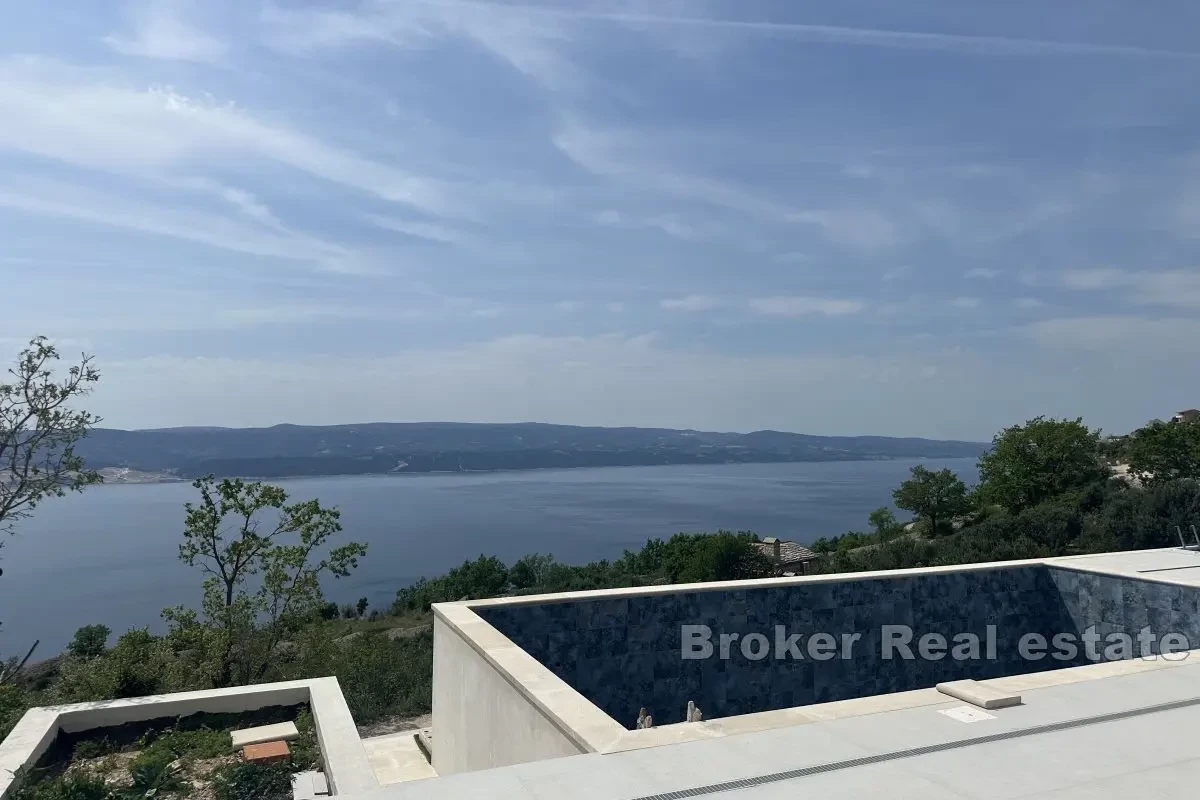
[387, 447]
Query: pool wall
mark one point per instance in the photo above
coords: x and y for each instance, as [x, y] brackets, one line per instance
[624, 653]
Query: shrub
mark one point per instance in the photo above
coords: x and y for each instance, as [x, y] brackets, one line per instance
[89, 641]
[242, 781]
[154, 774]
[79, 786]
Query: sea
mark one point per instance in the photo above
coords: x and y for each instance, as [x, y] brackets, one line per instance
[110, 554]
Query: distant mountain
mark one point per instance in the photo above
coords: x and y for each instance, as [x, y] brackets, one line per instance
[397, 447]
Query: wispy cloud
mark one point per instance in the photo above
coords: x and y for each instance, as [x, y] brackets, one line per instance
[859, 229]
[965, 303]
[878, 37]
[1145, 336]
[82, 204]
[421, 230]
[793, 306]
[692, 302]
[533, 44]
[67, 114]
[160, 31]
[1173, 288]
[982, 273]
[617, 156]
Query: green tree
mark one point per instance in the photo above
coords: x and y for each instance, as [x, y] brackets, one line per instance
[242, 530]
[38, 433]
[39, 429]
[89, 641]
[1031, 463]
[936, 496]
[1165, 451]
[884, 522]
[360, 608]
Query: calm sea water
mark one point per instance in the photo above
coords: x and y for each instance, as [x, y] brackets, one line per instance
[110, 554]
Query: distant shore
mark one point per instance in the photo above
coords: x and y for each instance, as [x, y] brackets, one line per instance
[118, 476]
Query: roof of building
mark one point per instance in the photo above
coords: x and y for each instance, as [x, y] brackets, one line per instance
[788, 551]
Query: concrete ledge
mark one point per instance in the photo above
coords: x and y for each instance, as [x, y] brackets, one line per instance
[977, 694]
[346, 763]
[280, 731]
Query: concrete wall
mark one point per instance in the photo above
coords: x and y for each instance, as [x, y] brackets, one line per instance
[480, 719]
[346, 764]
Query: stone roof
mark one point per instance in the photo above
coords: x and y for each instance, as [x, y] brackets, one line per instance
[789, 552]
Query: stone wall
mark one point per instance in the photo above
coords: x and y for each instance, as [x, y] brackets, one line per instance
[1124, 605]
[625, 653]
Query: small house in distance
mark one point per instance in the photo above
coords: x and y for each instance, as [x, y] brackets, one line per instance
[1187, 415]
[790, 558]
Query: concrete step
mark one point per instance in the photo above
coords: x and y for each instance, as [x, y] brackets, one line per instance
[309, 786]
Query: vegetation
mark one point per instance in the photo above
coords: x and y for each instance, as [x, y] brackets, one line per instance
[936, 497]
[38, 433]
[188, 755]
[1163, 452]
[89, 641]
[243, 628]
[1038, 461]
[684, 558]
[39, 430]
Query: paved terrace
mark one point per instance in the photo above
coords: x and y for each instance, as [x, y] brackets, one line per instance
[1094, 733]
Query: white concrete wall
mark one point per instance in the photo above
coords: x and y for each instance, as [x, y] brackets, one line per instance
[480, 720]
[346, 763]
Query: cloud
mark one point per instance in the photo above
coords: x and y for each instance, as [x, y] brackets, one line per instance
[158, 32]
[792, 306]
[422, 230]
[300, 31]
[70, 115]
[860, 229]
[67, 201]
[1028, 303]
[1142, 336]
[693, 302]
[673, 225]
[619, 156]
[982, 273]
[965, 302]
[877, 37]
[530, 43]
[1172, 288]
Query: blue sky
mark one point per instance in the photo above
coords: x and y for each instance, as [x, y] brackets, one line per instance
[921, 218]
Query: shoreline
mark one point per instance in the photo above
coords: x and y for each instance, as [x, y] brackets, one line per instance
[144, 478]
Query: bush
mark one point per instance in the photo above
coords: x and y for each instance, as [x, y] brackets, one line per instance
[89, 641]
[196, 743]
[79, 786]
[13, 704]
[154, 774]
[242, 781]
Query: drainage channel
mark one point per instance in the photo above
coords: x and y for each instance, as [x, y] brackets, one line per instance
[820, 769]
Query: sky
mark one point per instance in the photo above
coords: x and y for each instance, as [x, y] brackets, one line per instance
[930, 218]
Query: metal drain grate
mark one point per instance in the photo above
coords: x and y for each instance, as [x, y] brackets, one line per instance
[818, 769]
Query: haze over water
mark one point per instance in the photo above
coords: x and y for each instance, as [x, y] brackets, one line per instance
[109, 555]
